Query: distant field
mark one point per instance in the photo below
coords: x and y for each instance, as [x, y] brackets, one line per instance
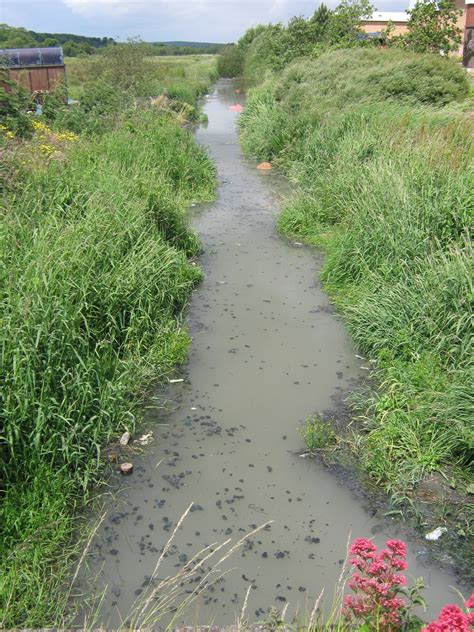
[174, 68]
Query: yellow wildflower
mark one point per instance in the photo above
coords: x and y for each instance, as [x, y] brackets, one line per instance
[47, 149]
[8, 133]
[67, 136]
[38, 126]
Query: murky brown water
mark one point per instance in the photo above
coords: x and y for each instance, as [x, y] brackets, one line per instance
[267, 352]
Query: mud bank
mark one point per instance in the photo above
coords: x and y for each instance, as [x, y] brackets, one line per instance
[267, 352]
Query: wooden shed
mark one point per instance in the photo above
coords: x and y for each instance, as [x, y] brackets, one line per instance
[37, 70]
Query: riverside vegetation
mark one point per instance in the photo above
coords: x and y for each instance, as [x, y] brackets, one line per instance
[378, 145]
[96, 271]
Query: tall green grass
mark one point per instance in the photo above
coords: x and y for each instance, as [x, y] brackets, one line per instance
[379, 147]
[95, 275]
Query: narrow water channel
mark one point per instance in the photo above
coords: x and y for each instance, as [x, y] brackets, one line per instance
[267, 352]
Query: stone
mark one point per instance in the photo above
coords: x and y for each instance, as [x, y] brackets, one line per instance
[126, 468]
[125, 438]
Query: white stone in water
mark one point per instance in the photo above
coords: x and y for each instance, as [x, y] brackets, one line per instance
[126, 468]
[125, 438]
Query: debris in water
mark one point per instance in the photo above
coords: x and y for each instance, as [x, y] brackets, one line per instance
[265, 166]
[126, 468]
[436, 533]
[145, 439]
[236, 108]
[297, 243]
[176, 381]
[125, 438]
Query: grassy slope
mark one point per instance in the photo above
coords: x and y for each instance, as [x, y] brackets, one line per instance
[379, 147]
[190, 73]
[95, 257]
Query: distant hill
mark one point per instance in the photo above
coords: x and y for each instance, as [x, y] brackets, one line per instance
[192, 44]
[73, 45]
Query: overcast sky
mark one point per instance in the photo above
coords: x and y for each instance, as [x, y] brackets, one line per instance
[159, 20]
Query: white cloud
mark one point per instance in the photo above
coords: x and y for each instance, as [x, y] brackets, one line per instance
[107, 7]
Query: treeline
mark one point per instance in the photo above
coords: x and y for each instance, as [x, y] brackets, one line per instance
[179, 48]
[73, 45]
[432, 27]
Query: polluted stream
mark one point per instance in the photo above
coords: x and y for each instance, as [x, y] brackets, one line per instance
[268, 351]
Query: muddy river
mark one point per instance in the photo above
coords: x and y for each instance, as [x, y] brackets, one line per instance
[267, 352]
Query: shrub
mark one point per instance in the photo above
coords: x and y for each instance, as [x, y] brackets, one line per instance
[230, 61]
[14, 104]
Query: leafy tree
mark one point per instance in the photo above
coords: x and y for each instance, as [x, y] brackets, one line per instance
[344, 26]
[249, 36]
[231, 61]
[432, 27]
[50, 41]
[17, 37]
[321, 16]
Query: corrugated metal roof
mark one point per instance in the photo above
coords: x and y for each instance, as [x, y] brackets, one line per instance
[30, 57]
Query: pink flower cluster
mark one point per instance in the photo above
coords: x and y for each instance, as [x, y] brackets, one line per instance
[377, 582]
[453, 619]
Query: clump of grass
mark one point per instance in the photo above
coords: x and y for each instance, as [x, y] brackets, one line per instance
[317, 434]
[95, 276]
[379, 147]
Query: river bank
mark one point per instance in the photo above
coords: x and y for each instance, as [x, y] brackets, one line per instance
[97, 269]
[383, 185]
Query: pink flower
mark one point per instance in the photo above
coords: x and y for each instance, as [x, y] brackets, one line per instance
[470, 602]
[451, 619]
[397, 547]
[377, 584]
[400, 565]
[363, 547]
[376, 567]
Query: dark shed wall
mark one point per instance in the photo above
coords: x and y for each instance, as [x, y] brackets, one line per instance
[38, 79]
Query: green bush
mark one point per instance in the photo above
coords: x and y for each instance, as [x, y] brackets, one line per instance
[230, 62]
[14, 104]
